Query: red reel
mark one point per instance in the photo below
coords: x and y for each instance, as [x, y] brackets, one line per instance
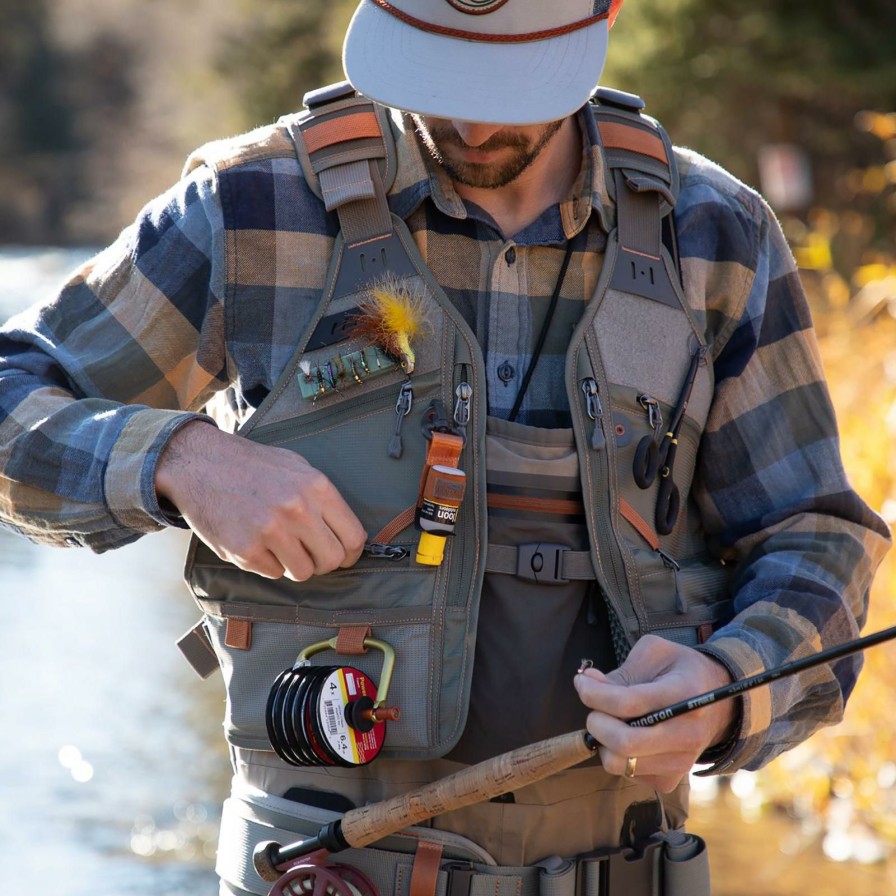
[314, 877]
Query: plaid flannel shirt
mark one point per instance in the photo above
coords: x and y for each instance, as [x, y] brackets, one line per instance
[204, 294]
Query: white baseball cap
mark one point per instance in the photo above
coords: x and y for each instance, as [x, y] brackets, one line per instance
[490, 61]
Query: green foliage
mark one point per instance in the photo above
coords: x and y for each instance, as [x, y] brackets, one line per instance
[33, 76]
[56, 103]
[286, 49]
[727, 77]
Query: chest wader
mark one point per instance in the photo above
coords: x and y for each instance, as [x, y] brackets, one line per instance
[554, 517]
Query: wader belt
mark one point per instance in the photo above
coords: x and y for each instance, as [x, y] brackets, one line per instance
[672, 864]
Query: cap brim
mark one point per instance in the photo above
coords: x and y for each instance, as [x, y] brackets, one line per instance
[495, 83]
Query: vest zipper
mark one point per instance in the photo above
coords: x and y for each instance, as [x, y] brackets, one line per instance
[464, 395]
[595, 412]
[613, 581]
[402, 409]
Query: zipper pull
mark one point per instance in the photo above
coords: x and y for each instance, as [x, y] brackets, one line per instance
[464, 393]
[595, 411]
[669, 563]
[386, 551]
[402, 409]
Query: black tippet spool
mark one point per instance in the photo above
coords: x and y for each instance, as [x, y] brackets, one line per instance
[328, 715]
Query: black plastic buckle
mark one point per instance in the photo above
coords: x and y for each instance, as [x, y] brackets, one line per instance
[541, 562]
[314, 99]
[608, 96]
[460, 878]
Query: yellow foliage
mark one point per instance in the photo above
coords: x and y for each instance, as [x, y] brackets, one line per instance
[853, 764]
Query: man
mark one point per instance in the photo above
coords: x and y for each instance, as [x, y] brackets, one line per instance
[546, 373]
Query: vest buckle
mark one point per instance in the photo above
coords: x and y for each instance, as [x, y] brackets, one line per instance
[541, 562]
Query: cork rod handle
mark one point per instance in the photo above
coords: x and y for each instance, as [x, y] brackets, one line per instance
[479, 782]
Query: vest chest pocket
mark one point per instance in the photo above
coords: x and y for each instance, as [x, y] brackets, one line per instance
[678, 589]
[425, 613]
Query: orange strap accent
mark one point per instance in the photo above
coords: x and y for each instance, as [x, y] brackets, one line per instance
[425, 873]
[397, 524]
[629, 513]
[534, 505]
[615, 135]
[444, 449]
[331, 131]
[238, 634]
[350, 640]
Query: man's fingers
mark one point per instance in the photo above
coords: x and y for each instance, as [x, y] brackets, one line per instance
[625, 701]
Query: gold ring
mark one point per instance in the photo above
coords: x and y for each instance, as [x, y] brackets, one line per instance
[630, 765]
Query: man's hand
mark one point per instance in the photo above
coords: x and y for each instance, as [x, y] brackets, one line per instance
[657, 673]
[265, 509]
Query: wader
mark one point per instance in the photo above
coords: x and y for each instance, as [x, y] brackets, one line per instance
[558, 552]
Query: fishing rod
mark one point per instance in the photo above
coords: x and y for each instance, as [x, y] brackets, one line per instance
[510, 771]
[767, 677]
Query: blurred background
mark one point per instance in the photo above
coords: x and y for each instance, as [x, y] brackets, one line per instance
[112, 763]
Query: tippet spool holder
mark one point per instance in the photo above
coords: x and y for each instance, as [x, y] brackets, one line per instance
[329, 715]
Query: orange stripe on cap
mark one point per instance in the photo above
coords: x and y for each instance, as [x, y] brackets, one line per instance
[478, 36]
[614, 135]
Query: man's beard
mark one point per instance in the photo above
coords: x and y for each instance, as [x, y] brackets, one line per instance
[440, 136]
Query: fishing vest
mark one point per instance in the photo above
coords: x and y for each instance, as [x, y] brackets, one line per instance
[639, 388]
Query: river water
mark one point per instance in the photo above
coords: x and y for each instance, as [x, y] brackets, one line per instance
[112, 763]
[112, 760]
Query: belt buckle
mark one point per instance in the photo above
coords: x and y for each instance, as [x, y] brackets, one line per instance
[541, 562]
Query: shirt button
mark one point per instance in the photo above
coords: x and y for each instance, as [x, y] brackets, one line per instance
[506, 372]
[510, 255]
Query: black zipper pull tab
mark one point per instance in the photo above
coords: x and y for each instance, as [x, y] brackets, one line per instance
[402, 409]
[386, 551]
[595, 411]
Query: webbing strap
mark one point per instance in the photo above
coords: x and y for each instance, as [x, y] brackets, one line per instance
[345, 147]
[547, 563]
[356, 192]
[196, 646]
[672, 864]
[643, 179]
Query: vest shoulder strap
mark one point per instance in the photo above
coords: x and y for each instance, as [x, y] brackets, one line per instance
[642, 179]
[345, 146]
[344, 143]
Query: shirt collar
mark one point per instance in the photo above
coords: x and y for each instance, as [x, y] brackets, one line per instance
[418, 178]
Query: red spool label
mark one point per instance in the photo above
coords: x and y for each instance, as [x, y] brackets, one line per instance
[342, 687]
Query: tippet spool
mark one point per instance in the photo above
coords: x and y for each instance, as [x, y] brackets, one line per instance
[329, 715]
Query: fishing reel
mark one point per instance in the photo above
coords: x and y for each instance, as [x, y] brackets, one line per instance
[313, 876]
[329, 715]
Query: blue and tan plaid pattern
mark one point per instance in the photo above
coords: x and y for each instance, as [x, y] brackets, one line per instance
[215, 282]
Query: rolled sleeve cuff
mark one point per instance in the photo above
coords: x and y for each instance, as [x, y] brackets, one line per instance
[130, 474]
[755, 708]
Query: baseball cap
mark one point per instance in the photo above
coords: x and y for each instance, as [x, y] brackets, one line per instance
[511, 62]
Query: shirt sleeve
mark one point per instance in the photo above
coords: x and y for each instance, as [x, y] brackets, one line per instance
[94, 383]
[775, 498]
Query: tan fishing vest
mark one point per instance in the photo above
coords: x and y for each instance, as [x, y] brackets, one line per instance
[522, 585]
